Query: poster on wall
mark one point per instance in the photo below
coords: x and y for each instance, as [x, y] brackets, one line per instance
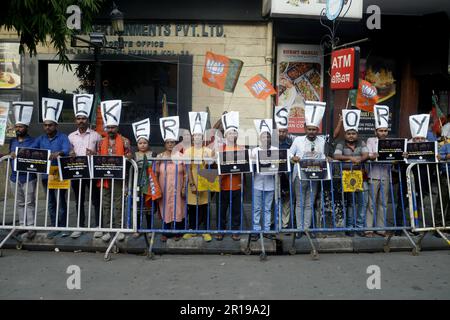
[4, 111]
[299, 78]
[380, 74]
[10, 74]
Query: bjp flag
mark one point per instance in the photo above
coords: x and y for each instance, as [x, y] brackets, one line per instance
[221, 72]
[260, 87]
[367, 96]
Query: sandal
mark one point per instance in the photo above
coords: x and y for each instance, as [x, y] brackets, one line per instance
[163, 238]
[235, 237]
[219, 237]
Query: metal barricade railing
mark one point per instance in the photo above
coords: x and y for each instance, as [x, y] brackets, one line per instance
[27, 208]
[226, 212]
[429, 195]
[323, 206]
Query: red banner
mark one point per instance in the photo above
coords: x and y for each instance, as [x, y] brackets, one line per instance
[344, 69]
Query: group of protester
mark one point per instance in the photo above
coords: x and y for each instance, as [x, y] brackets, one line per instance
[169, 181]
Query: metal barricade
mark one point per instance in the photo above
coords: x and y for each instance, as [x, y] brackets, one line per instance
[322, 206]
[429, 194]
[226, 212]
[111, 206]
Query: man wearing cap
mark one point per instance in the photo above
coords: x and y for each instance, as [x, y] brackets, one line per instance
[114, 144]
[309, 146]
[26, 187]
[284, 143]
[59, 145]
[378, 174]
[355, 151]
[84, 142]
[230, 184]
[263, 183]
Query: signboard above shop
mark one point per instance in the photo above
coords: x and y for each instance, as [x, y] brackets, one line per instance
[345, 68]
[309, 8]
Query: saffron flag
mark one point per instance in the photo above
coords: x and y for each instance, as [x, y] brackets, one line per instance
[221, 72]
[260, 87]
[367, 96]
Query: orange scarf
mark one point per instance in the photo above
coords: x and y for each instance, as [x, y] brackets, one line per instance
[120, 151]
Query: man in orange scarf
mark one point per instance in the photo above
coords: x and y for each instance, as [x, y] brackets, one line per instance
[114, 144]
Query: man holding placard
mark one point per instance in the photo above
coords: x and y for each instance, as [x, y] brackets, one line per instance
[378, 173]
[285, 140]
[230, 183]
[25, 211]
[114, 144]
[263, 183]
[310, 146]
[355, 151]
[84, 142]
[59, 145]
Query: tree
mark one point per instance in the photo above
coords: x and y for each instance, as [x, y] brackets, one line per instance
[35, 20]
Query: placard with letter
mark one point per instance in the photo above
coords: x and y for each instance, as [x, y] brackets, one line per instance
[272, 161]
[32, 160]
[231, 162]
[421, 151]
[108, 167]
[314, 169]
[74, 167]
[391, 149]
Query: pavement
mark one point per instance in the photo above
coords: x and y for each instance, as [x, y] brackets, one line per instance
[397, 275]
[283, 244]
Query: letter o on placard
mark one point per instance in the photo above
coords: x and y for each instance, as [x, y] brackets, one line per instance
[351, 118]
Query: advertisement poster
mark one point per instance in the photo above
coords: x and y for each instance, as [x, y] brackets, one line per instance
[10, 74]
[233, 162]
[391, 149]
[4, 110]
[421, 152]
[380, 73]
[54, 180]
[299, 78]
[74, 168]
[32, 160]
[272, 161]
[314, 169]
[108, 167]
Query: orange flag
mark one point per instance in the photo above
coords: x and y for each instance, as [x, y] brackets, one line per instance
[221, 72]
[260, 87]
[367, 96]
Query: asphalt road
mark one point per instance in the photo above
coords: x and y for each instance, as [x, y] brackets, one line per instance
[43, 275]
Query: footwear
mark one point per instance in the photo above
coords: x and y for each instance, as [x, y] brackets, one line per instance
[207, 237]
[269, 236]
[120, 236]
[65, 234]
[177, 237]
[361, 234]
[298, 235]
[235, 237]
[369, 234]
[219, 237]
[187, 236]
[75, 234]
[349, 234]
[98, 234]
[136, 235]
[106, 237]
[381, 233]
[29, 235]
[52, 234]
[163, 238]
[254, 237]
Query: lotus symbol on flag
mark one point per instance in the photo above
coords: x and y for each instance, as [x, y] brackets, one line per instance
[368, 91]
[215, 67]
[259, 87]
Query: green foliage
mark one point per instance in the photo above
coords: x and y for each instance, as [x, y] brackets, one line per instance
[44, 22]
